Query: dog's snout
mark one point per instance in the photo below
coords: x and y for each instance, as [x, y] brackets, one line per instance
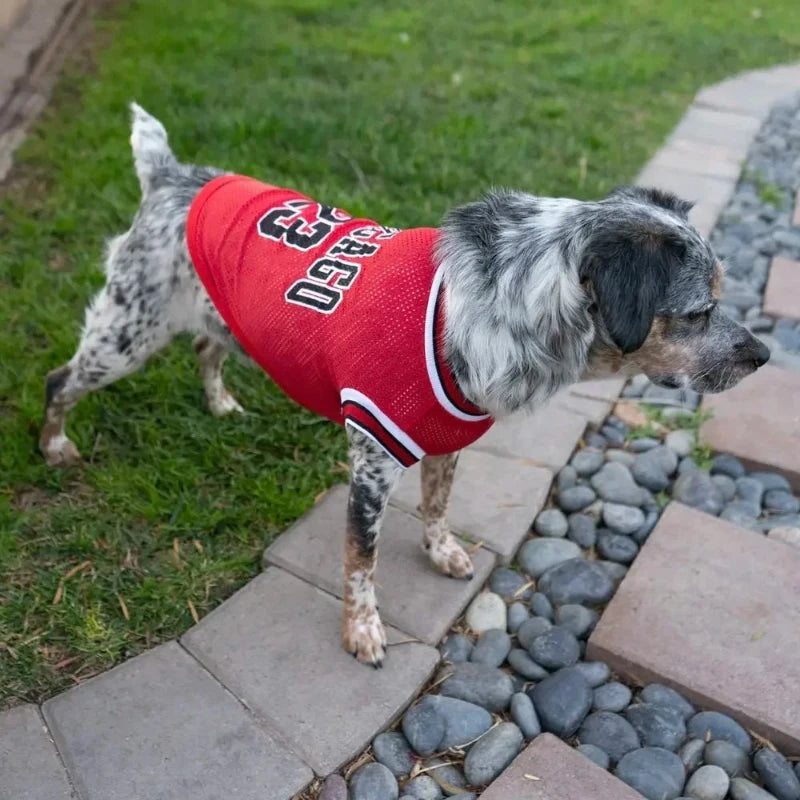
[762, 353]
[753, 349]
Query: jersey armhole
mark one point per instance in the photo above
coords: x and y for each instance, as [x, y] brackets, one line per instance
[362, 414]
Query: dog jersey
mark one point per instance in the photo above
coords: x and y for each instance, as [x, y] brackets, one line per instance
[344, 314]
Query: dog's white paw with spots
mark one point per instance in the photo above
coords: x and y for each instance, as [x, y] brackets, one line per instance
[365, 637]
[449, 557]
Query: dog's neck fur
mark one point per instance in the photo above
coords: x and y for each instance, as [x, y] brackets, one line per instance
[517, 325]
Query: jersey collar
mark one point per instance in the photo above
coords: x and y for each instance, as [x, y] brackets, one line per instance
[440, 375]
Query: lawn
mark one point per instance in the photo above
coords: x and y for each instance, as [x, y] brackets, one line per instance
[389, 109]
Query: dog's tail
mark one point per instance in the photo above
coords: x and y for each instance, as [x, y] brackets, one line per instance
[151, 152]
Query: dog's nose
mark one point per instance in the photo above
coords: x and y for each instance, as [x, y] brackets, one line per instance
[762, 354]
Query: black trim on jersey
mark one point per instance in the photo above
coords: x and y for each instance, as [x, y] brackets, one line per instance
[372, 425]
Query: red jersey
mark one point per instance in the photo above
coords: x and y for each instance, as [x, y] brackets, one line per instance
[344, 314]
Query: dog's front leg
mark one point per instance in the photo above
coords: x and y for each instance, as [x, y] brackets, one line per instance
[373, 475]
[445, 552]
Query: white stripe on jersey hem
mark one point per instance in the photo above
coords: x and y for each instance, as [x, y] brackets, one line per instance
[391, 427]
[430, 356]
[353, 424]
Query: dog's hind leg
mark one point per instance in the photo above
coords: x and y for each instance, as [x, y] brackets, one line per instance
[373, 475]
[444, 551]
[115, 343]
[211, 355]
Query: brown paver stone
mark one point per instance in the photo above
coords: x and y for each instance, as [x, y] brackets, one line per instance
[494, 500]
[276, 645]
[30, 768]
[782, 296]
[713, 610]
[759, 421]
[412, 595]
[160, 726]
[796, 217]
[547, 437]
[548, 769]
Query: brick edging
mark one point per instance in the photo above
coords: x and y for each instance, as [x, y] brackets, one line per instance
[702, 157]
[30, 52]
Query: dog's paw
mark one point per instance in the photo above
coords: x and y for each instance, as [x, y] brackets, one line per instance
[60, 452]
[448, 557]
[364, 637]
[225, 403]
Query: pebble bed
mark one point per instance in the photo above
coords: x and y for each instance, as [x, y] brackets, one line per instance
[514, 666]
[756, 226]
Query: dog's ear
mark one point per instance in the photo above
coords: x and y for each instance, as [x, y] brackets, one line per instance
[629, 273]
[656, 197]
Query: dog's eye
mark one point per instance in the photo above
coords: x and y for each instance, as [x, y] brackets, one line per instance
[698, 317]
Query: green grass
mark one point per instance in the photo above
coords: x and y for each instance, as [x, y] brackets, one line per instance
[659, 424]
[391, 109]
[768, 192]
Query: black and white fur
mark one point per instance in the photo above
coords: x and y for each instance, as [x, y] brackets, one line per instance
[540, 292]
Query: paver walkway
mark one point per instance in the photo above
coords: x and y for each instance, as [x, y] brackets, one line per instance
[259, 696]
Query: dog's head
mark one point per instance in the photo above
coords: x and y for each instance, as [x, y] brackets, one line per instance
[654, 282]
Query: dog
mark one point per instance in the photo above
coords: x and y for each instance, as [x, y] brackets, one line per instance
[511, 299]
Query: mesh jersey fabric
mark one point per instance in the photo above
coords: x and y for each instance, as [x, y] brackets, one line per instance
[344, 314]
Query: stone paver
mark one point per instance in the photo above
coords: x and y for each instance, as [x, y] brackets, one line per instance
[782, 296]
[751, 93]
[30, 768]
[27, 42]
[547, 437]
[729, 129]
[494, 500]
[704, 216]
[548, 769]
[711, 194]
[276, 644]
[412, 595]
[601, 389]
[592, 409]
[10, 11]
[759, 421]
[160, 726]
[713, 610]
[700, 158]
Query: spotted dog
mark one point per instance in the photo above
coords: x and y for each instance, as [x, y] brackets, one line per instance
[415, 340]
